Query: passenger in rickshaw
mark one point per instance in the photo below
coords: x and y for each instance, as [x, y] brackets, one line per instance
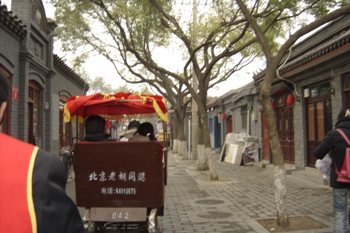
[132, 128]
[95, 129]
[145, 132]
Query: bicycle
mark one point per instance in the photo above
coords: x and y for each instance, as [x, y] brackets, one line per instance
[68, 161]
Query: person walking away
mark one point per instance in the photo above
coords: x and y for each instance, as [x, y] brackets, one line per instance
[145, 132]
[95, 129]
[334, 144]
[32, 186]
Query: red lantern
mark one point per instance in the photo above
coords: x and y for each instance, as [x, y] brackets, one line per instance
[290, 99]
[223, 116]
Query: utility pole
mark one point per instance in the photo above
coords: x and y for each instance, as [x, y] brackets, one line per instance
[195, 87]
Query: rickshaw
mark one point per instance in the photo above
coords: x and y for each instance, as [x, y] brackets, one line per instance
[120, 185]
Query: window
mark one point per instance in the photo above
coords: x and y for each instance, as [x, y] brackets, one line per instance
[4, 127]
[34, 114]
[38, 48]
[325, 89]
[320, 90]
[347, 82]
[244, 113]
[63, 131]
[319, 112]
[314, 92]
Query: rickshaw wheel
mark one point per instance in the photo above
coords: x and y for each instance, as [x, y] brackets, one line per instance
[99, 226]
[68, 163]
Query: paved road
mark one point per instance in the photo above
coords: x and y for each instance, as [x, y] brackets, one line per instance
[243, 194]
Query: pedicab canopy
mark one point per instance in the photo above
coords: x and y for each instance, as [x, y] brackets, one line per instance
[115, 106]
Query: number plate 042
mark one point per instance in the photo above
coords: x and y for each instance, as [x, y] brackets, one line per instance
[117, 214]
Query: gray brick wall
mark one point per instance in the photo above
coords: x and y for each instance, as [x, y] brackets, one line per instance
[9, 51]
[18, 58]
[61, 83]
[310, 77]
[23, 9]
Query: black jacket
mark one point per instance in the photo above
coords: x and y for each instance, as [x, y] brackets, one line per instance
[55, 211]
[98, 137]
[335, 145]
[33, 191]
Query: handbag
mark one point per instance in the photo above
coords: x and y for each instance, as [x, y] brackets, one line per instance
[324, 166]
[344, 173]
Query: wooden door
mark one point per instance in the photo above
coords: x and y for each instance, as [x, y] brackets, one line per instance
[229, 124]
[347, 99]
[286, 132]
[5, 122]
[346, 89]
[30, 124]
[265, 139]
[319, 119]
[317, 126]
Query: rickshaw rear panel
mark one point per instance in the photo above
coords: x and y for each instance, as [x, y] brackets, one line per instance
[119, 174]
[120, 184]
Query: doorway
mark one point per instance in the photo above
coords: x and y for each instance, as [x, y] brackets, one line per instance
[285, 128]
[5, 125]
[319, 118]
[33, 114]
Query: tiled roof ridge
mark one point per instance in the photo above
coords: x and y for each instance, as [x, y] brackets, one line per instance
[338, 41]
[63, 67]
[11, 22]
[239, 89]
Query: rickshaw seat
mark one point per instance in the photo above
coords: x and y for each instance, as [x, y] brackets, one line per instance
[119, 174]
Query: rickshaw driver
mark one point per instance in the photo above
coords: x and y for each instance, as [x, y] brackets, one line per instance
[32, 183]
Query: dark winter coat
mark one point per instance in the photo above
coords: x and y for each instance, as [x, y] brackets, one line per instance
[33, 194]
[98, 137]
[335, 145]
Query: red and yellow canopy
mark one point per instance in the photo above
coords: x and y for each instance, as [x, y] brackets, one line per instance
[114, 106]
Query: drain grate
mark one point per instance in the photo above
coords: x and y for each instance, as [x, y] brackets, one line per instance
[215, 215]
[209, 202]
[178, 174]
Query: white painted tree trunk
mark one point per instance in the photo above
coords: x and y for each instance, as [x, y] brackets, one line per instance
[183, 150]
[202, 159]
[280, 194]
[211, 163]
[175, 145]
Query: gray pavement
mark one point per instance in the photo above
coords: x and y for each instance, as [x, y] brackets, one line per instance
[242, 195]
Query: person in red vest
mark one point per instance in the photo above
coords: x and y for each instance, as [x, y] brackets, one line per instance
[32, 186]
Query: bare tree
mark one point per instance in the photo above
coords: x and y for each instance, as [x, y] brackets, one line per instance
[273, 61]
[130, 33]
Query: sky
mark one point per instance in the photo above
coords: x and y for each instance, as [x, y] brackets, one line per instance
[107, 71]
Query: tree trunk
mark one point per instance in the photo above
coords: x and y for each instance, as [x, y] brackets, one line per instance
[175, 145]
[280, 195]
[183, 149]
[204, 151]
[277, 155]
[181, 139]
[175, 127]
[202, 159]
[211, 164]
